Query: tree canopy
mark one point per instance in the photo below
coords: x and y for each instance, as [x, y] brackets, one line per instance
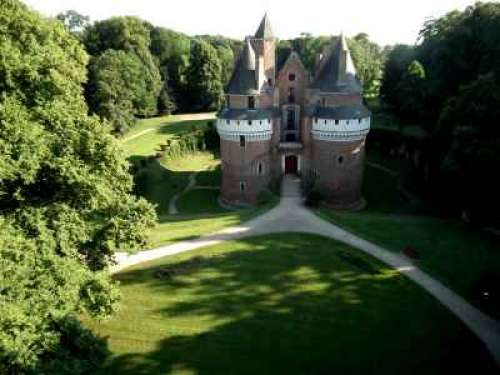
[65, 201]
[109, 70]
[205, 77]
[449, 82]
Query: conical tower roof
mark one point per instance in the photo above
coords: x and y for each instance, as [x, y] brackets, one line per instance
[337, 73]
[243, 80]
[264, 31]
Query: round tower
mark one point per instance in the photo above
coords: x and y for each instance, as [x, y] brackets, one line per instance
[340, 123]
[245, 127]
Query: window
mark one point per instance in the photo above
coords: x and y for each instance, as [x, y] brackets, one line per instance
[291, 95]
[347, 122]
[360, 120]
[340, 159]
[270, 81]
[315, 120]
[251, 102]
[227, 122]
[291, 119]
[249, 122]
[336, 122]
[242, 141]
[259, 168]
[228, 101]
[243, 186]
[323, 101]
[260, 122]
[291, 77]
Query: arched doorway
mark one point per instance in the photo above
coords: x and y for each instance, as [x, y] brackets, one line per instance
[291, 164]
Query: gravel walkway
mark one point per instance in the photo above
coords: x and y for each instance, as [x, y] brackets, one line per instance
[291, 216]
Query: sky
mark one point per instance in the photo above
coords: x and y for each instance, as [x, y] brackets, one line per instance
[385, 21]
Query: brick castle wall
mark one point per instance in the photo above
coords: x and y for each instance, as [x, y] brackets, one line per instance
[241, 165]
[339, 167]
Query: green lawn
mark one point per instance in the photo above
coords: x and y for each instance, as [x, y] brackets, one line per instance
[464, 258]
[159, 181]
[200, 201]
[282, 304]
[159, 129]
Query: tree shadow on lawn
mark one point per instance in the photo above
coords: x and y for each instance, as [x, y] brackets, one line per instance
[294, 304]
[156, 183]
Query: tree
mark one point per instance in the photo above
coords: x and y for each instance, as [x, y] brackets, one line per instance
[130, 35]
[74, 21]
[65, 201]
[395, 68]
[204, 77]
[117, 89]
[171, 49]
[468, 146]
[369, 59]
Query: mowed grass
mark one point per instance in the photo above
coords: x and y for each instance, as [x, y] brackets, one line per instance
[282, 304]
[145, 137]
[464, 258]
[159, 181]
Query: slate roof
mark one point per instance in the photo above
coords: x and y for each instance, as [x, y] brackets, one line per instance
[332, 77]
[243, 80]
[247, 114]
[342, 112]
[264, 31]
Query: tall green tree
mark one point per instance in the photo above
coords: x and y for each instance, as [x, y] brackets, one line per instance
[171, 49]
[116, 89]
[369, 59]
[65, 201]
[132, 36]
[204, 77]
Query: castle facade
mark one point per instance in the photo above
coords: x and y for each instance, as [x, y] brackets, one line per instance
[286, 120]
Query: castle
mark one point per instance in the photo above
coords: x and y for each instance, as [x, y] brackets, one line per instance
[284, 120]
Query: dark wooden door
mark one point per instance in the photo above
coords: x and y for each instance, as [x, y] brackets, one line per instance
[291, 164]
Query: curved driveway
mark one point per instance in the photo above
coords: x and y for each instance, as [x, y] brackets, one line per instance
[291, 216]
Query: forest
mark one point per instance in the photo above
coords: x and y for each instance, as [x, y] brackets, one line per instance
[71, 87]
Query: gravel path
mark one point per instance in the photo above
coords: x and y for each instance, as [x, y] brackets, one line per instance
[172, 204]
[291, 216]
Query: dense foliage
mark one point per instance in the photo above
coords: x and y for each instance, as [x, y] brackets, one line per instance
[106, 94]
[65, 202]
[450, 82]
[204, 86]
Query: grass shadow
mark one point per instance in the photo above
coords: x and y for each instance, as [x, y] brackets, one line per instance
[287, 303]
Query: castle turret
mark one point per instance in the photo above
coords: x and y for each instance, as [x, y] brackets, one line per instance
[245, 126]
[265, 44]
[340, 123]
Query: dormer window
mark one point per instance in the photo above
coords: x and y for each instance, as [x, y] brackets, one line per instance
[291, 77]
[251, 102]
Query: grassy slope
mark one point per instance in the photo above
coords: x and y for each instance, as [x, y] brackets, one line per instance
[200, 213]
[282, 304]
[451, 251]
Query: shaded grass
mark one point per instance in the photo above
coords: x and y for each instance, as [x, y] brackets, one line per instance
[199, 201]
[282, 304]
[456, 254]
[178, 228]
